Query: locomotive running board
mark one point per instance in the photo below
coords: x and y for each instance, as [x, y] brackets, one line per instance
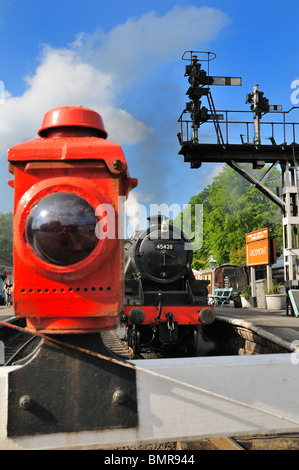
[62, 389]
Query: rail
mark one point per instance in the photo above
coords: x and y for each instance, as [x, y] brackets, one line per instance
[282, 129]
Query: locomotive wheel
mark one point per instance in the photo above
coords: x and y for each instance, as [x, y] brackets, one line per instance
[192, 340]
[135, 341]
[195, 340]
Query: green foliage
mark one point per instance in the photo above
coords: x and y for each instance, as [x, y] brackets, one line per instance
[246, 292]
[275, 289]
[6, 236]
[231, 208]
[198, 264]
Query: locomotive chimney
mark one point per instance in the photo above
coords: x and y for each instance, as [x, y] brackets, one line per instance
[157, 219]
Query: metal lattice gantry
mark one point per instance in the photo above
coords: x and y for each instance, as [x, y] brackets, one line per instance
[290, 194]
[236, 137]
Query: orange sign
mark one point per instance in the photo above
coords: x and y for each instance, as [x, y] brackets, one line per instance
[257, 235]
[257, 253]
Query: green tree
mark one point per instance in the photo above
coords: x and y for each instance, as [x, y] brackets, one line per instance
[231, 208]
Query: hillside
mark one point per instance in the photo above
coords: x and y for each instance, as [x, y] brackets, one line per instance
[232, 207]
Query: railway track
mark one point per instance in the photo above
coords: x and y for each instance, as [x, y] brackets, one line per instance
[114, 342]
[17, 344]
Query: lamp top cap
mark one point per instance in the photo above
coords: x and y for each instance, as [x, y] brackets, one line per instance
[72, 117]
[212, 261]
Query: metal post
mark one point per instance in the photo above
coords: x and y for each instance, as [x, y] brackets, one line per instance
[290, 191]
[269, 277]
[213, 281]
[256, 117]
[253, 286]
[226, 126]
[195, 133]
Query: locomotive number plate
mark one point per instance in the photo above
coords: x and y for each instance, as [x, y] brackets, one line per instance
[164, 246]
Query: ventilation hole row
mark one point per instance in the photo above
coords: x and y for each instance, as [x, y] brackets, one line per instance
[70, 289]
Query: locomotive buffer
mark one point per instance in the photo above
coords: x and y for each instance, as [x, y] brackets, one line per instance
[249, 150]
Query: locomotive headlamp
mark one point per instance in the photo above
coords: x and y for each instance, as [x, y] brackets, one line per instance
[67, 278]
[61, 229]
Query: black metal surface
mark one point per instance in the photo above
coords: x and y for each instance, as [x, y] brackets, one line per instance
[168, 334]
[198, 153]
[66, 390]
[182, 292]
[157, 255]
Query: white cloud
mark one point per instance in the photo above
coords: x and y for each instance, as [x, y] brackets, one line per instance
[95, 70]
[63, 80]
[217, 169]
[141, 44]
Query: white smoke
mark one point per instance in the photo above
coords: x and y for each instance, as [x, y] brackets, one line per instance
[132, 210]
[102, 71]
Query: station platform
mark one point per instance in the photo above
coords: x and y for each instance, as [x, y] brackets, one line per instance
[274, 325]
[6, 312]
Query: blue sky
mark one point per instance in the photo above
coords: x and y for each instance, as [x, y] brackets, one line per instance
[123, 59]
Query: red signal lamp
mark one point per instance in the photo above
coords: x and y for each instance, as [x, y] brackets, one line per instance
[67, 279]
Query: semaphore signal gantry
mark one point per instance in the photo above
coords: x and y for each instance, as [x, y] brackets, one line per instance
[229, 146]
[240, 140]
[200, 81]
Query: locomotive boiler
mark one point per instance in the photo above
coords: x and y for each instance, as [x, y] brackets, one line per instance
[164, 304]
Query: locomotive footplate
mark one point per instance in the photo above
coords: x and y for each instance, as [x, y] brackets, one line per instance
[69, 388]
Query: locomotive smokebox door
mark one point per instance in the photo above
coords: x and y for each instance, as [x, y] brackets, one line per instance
[68, 257]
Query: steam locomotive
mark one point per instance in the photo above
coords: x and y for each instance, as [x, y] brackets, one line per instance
[164, 303]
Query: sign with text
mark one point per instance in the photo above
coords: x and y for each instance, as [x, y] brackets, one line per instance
[257, 235]
[257, 253]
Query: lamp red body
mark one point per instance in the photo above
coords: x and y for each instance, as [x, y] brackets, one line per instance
[68, 274]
